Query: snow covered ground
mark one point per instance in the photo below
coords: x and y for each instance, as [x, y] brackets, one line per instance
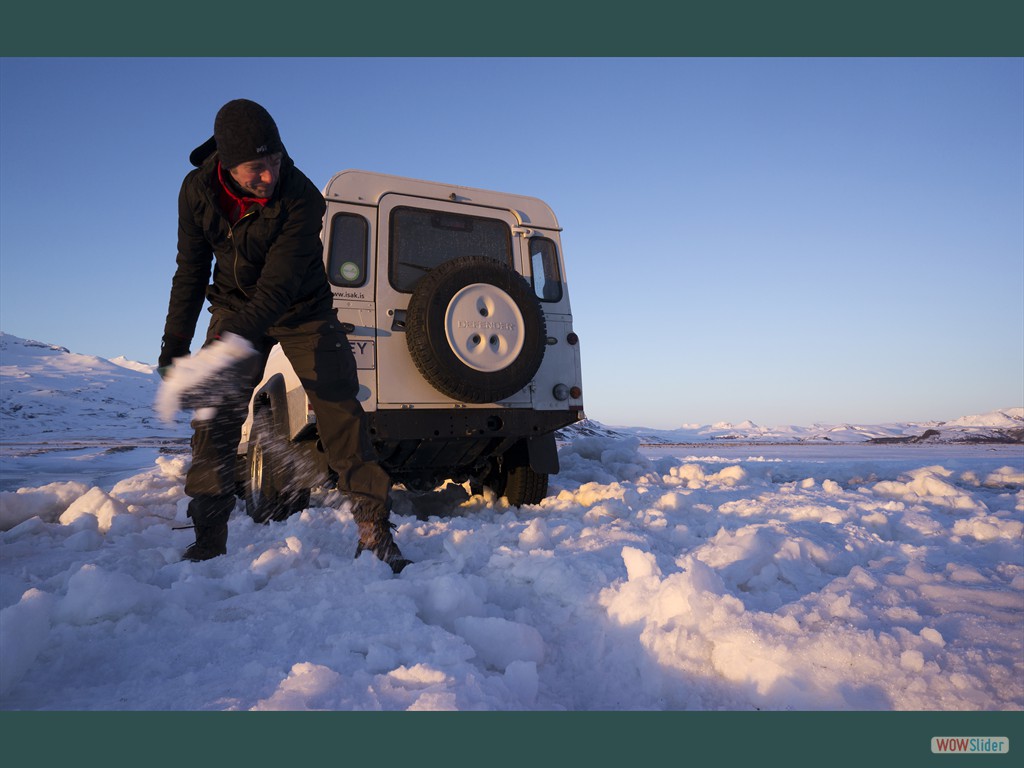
[718, 575]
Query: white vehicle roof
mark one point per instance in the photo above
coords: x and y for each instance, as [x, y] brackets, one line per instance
[366, 187]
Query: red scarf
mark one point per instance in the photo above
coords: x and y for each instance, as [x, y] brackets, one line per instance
[231, 205]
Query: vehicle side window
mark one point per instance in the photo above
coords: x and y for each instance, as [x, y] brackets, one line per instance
[346, 262]
[547, 282]
[421, 240]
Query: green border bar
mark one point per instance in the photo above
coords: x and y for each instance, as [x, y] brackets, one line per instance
[258, 28]
[792, 739]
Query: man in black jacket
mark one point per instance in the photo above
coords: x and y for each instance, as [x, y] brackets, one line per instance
[251, 216]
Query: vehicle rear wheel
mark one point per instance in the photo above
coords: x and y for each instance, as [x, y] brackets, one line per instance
[519, 484]
[525, 486]
[269, 492]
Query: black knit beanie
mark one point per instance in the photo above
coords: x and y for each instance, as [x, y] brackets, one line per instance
[244, 131]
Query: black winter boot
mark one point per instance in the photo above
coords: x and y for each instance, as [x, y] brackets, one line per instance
[211, 541]
[375, 535]
[375, 531]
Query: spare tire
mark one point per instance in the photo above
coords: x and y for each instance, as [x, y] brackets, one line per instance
[475, 329]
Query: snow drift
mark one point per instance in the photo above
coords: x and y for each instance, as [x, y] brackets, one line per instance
[714, 576]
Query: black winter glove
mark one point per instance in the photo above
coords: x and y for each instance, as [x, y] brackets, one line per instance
[171, 347]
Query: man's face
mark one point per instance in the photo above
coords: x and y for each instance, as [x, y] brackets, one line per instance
[258, 177]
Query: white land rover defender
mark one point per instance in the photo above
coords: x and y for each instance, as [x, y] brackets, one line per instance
[456, 306]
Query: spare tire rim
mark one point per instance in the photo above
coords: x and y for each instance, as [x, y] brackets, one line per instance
[484, 327]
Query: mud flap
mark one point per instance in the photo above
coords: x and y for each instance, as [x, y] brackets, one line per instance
[543, 454]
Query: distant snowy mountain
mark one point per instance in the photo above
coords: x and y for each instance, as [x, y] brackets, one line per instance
[131, 365]
[48, 393]
[1012, 418]
[1006, 426]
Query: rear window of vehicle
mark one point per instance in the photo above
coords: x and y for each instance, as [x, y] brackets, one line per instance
[346, 261]
[547, 281]
[423, 239]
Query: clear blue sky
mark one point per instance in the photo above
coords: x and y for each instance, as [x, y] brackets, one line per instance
[789, 241]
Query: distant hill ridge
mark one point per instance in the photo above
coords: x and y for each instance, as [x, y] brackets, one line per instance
[49, 392]
[1002, 426]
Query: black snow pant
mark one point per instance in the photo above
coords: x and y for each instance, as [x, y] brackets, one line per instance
[319, 352]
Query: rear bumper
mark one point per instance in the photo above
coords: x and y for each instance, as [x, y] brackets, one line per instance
[453, 423]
